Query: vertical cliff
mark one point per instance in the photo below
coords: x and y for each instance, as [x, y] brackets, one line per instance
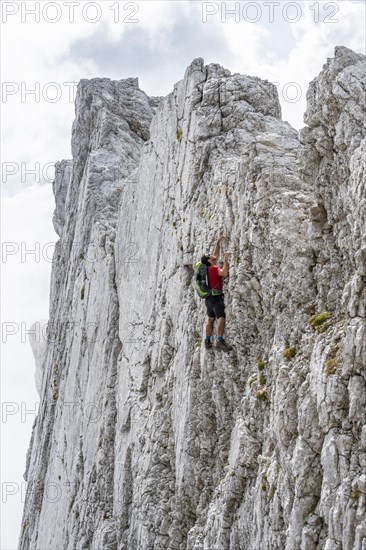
[144, 439]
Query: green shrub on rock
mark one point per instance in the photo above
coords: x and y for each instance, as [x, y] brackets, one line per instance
[317, 321]
[289, 353]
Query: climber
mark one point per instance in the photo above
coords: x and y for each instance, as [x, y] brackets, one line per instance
[215, 303]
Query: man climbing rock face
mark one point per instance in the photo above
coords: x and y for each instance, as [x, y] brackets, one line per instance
[215, 303]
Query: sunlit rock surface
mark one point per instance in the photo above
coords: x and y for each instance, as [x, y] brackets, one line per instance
[145, 440]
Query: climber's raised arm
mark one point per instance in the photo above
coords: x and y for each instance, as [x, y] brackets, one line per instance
[216, 251]
[224, 271]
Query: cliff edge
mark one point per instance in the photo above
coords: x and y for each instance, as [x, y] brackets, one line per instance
[146, 440]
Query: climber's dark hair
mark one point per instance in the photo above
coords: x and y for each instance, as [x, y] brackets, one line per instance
[205, 259]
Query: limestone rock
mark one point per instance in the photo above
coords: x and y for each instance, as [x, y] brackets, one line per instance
[60, 186]
[38, 343]
[147, 440]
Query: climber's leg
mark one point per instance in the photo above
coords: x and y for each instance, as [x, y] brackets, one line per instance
[220, 326]
[220, 315]
[210, 319]
[209, 326]
[218, 307]
[220, 342]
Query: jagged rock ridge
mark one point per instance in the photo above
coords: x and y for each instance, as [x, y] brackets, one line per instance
[167, 445]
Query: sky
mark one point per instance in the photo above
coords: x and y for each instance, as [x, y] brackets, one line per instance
[46, 48]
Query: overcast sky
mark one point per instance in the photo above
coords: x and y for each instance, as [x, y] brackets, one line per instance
[43, 56]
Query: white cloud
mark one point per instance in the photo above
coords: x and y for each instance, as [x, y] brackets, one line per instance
[41, 132]
[35, 128]
[312, 44]
[26, 225]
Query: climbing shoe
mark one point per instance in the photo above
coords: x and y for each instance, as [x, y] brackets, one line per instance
[208, 344]
[224, 346]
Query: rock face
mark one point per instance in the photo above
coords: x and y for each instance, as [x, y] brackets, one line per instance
[145, 440]
[38, 343]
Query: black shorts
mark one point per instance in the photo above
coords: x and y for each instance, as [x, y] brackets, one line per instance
[215, 306]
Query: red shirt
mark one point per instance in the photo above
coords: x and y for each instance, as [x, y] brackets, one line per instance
[214, 279]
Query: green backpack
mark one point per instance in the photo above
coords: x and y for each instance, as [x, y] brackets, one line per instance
[201, 281]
